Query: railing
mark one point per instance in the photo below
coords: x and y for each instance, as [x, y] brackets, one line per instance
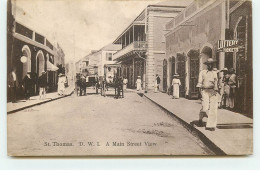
[136, 45]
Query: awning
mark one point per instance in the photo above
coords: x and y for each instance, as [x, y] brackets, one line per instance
[51, 67]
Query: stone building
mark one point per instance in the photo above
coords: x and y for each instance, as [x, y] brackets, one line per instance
[98, 59]
[239, 27]
[193, 30]
[200, 27]
[143, 45]
[30, 51]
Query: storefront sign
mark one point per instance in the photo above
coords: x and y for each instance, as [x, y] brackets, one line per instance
[228, 46]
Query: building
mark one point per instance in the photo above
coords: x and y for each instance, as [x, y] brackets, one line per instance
[30, 51]
[196, 29]
[239, 27]
[143, 45]
[98, 59]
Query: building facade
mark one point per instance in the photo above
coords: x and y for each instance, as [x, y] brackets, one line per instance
[239, 27]
[30, 51]
[98, 59]
[193, 30]
[201, 26]
[143, 45]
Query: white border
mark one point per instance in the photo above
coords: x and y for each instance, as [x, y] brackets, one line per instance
[250, 162]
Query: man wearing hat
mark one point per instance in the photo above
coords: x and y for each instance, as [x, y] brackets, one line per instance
[222, 81]
[42, 82]
[208, 86]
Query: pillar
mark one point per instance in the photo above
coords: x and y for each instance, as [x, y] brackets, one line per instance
[150, 62]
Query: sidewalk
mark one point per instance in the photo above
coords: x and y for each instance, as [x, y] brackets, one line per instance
[234, 132]
[24, 104]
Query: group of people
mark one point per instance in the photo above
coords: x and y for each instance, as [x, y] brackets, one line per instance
[227, 88]
[28, 85]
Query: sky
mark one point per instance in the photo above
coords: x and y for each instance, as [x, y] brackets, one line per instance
[80, 26]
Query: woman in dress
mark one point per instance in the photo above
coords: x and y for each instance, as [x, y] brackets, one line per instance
[176, 85]
[61, 84]
[138, 83]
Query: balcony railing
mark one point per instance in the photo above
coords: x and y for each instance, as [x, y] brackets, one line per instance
[135, 46]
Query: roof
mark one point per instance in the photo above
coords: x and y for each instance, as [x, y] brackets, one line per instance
[112, 46]
[175, 3]
[167, 6]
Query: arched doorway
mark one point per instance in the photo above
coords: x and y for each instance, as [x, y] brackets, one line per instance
[193, 73]
[181, 71]
[165, 75]
[40, 63]
[26, 65]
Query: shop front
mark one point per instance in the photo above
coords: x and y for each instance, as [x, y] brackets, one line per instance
[240, 29]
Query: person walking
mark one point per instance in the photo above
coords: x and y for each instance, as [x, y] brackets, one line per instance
[42, 82]
[27, 85]
[176, 85]
[12, 85]
[157, 83]
[125, 81]
[138, 83]
[222, 88]
[208, 86]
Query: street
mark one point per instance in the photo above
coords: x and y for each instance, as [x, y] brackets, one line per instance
[97, 125]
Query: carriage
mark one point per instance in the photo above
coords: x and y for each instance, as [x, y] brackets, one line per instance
[112, 79]
[80, 84]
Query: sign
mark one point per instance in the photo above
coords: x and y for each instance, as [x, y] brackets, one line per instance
[228, 46]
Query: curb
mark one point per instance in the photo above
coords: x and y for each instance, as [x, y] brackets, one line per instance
[211, 145]
[36, 104]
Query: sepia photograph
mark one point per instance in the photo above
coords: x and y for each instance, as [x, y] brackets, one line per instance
[129, 78]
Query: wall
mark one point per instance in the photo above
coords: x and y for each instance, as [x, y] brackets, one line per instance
[159, 45]
[205, 31]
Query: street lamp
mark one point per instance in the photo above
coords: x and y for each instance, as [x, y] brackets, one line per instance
[23, 59]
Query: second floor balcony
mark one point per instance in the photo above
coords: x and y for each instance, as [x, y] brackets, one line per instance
[139, 46]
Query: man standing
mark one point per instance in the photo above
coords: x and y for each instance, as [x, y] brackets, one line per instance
[27, 84]
[42, 82]
[208, 86]
[12, 84]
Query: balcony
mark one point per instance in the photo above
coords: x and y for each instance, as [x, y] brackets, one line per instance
[139, 46]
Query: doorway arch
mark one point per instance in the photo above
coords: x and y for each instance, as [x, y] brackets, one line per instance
[40, 63]
[165, 75]
[181, 66]
[27, 65]
[194, 65]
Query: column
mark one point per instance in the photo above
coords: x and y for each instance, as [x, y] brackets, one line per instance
[133, 72]
[223, 27]
[150, 62]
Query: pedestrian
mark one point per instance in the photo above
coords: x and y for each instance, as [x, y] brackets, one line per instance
[176, 84]
[157, 83]
[61, 84]
[27, 85]
[42, 82]
[138, 83]
[125, 81]
[208, 87]
[218, 82]
[221, 82]
[83, 84]
[232, 85]
[12, 84]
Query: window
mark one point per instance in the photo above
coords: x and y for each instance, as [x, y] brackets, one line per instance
[109, 56]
